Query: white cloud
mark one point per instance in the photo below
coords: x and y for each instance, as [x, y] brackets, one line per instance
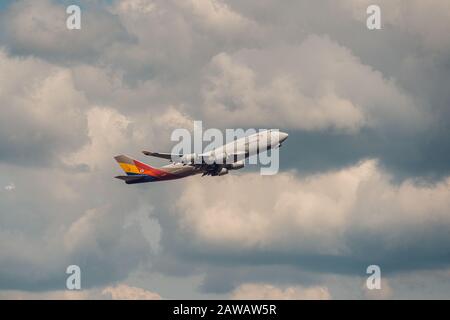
[10, 187]
[45, 295]
[45, 111]
[143, 6]
[216, 15]
[107, 130]
[385, 291]
[39, 28]
[313, 214]
[175, 38]
[255, 291]
[83, 233]
[429, 20]
[118, 292]
[311, 87]
[125, 292]
[111, 132]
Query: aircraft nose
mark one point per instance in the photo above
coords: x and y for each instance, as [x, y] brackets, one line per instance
[283, 136]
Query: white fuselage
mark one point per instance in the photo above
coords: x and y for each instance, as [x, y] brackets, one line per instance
[232, 154]
[248, 146]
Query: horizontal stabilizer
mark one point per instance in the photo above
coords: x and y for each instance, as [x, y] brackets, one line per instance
[142, 178]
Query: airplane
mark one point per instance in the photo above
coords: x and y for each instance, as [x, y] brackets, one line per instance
[217, 162]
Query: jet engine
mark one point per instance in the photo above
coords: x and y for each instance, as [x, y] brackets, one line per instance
[223, 172]
[189, 158]
[220, 158]
[237, 165]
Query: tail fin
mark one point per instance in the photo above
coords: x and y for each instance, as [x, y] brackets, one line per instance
[138, 172]
[139, 178]
[127, 164]
[131, 166]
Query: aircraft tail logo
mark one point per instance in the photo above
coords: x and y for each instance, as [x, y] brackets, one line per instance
[129, 165]
[138, 172]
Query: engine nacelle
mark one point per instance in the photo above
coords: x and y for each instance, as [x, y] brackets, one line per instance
[220, 158]
[189, 158]
[223, 172]
[237, 165]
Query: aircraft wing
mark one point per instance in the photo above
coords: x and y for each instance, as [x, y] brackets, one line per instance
[167, 156]
[235, 156]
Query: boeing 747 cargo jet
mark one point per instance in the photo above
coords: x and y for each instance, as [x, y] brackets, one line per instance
[216, 162]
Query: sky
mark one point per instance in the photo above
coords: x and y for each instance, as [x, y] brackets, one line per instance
[364, 176]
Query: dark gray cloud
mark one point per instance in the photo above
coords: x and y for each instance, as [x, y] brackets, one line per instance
[404, 155]
[43, 112]
[59, 224]
[38, 28]
[333, 223]
[401, 52]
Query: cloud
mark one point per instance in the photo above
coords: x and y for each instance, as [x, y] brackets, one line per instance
[39, 27]
[125, 292]
[46, 295]
[308, 87]
[10, 187]
[107, 130]
[44, 111]
[134, 6]
[428, 21]
[110, 133]
[119, 292]
[385, 292]
[350, 216]
[200, 28]
[58, 224]
[216, 15]
[139, 68]
[253, 291]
